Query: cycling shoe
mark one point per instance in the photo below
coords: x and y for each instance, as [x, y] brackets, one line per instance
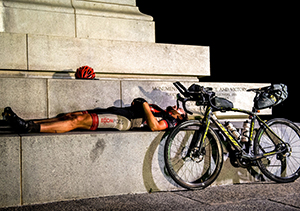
[14, 121]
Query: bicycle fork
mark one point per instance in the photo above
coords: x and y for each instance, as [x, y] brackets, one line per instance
[196, 150]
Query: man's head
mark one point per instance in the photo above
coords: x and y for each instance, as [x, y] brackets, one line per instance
[177, 113]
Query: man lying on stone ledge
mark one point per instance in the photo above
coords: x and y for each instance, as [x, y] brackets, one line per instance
[112, 117]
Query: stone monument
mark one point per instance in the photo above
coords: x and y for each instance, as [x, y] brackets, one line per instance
[48, 40]
[42, 43]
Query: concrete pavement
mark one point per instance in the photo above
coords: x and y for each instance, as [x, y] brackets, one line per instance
[254, 196]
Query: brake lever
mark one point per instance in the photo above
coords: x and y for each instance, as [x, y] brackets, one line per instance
[184, 107]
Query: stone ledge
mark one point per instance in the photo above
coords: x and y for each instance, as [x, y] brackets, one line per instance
[117, 57]
[57, 167]
[59, 54]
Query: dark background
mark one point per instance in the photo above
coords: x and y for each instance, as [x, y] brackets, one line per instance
[248, 42]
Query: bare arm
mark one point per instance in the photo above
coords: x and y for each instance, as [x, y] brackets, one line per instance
[152, 121]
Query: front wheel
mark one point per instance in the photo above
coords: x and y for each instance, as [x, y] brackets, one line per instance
[284, 166]
[189, 166]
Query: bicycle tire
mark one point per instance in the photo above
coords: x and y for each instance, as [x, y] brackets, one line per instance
[283, 167]
[185, 171]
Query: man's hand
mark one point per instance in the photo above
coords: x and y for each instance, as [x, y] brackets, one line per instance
[138, 102]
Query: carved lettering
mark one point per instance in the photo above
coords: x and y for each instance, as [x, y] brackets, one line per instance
[230, 89]
[164, 88]
[219, 90]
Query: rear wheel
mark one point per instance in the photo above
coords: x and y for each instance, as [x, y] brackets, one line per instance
[285, 166]
[189, 166]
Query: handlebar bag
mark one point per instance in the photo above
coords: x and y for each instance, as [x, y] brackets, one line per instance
[271, 96]
[195, 88]
[222, 103]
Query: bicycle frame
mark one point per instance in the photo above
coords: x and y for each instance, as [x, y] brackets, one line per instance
[210, 117]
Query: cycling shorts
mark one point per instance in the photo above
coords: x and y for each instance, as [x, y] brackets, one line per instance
[112, 121]
[125, 118]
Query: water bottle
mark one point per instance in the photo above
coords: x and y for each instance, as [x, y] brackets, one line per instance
[245, 131]
[233, 130]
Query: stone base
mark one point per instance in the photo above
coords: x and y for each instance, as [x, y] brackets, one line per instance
[47, 168]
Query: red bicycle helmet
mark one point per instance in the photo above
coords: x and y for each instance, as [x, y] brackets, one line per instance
[85, 72]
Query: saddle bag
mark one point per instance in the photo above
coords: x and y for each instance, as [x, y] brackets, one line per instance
[271, 96]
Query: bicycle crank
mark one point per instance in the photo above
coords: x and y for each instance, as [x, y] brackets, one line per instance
[243, 160]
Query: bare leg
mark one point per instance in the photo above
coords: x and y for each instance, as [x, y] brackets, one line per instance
[56, 119]
[73, 121]
[63, 124]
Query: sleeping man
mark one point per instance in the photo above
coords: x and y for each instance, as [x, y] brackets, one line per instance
[152, 116]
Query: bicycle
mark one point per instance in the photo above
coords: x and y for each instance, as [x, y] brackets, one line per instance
[193, 151]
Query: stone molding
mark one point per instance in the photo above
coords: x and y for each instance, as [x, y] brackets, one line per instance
[99, 8]
[110, 20]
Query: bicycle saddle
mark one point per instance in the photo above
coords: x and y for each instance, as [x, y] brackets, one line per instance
[253, 90]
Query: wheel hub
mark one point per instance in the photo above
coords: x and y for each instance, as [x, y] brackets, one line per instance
[197, 155]
[286, 151]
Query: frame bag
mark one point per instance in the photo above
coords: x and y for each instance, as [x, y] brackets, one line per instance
[222, 103]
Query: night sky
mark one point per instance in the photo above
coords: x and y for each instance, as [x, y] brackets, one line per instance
[248, 42]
